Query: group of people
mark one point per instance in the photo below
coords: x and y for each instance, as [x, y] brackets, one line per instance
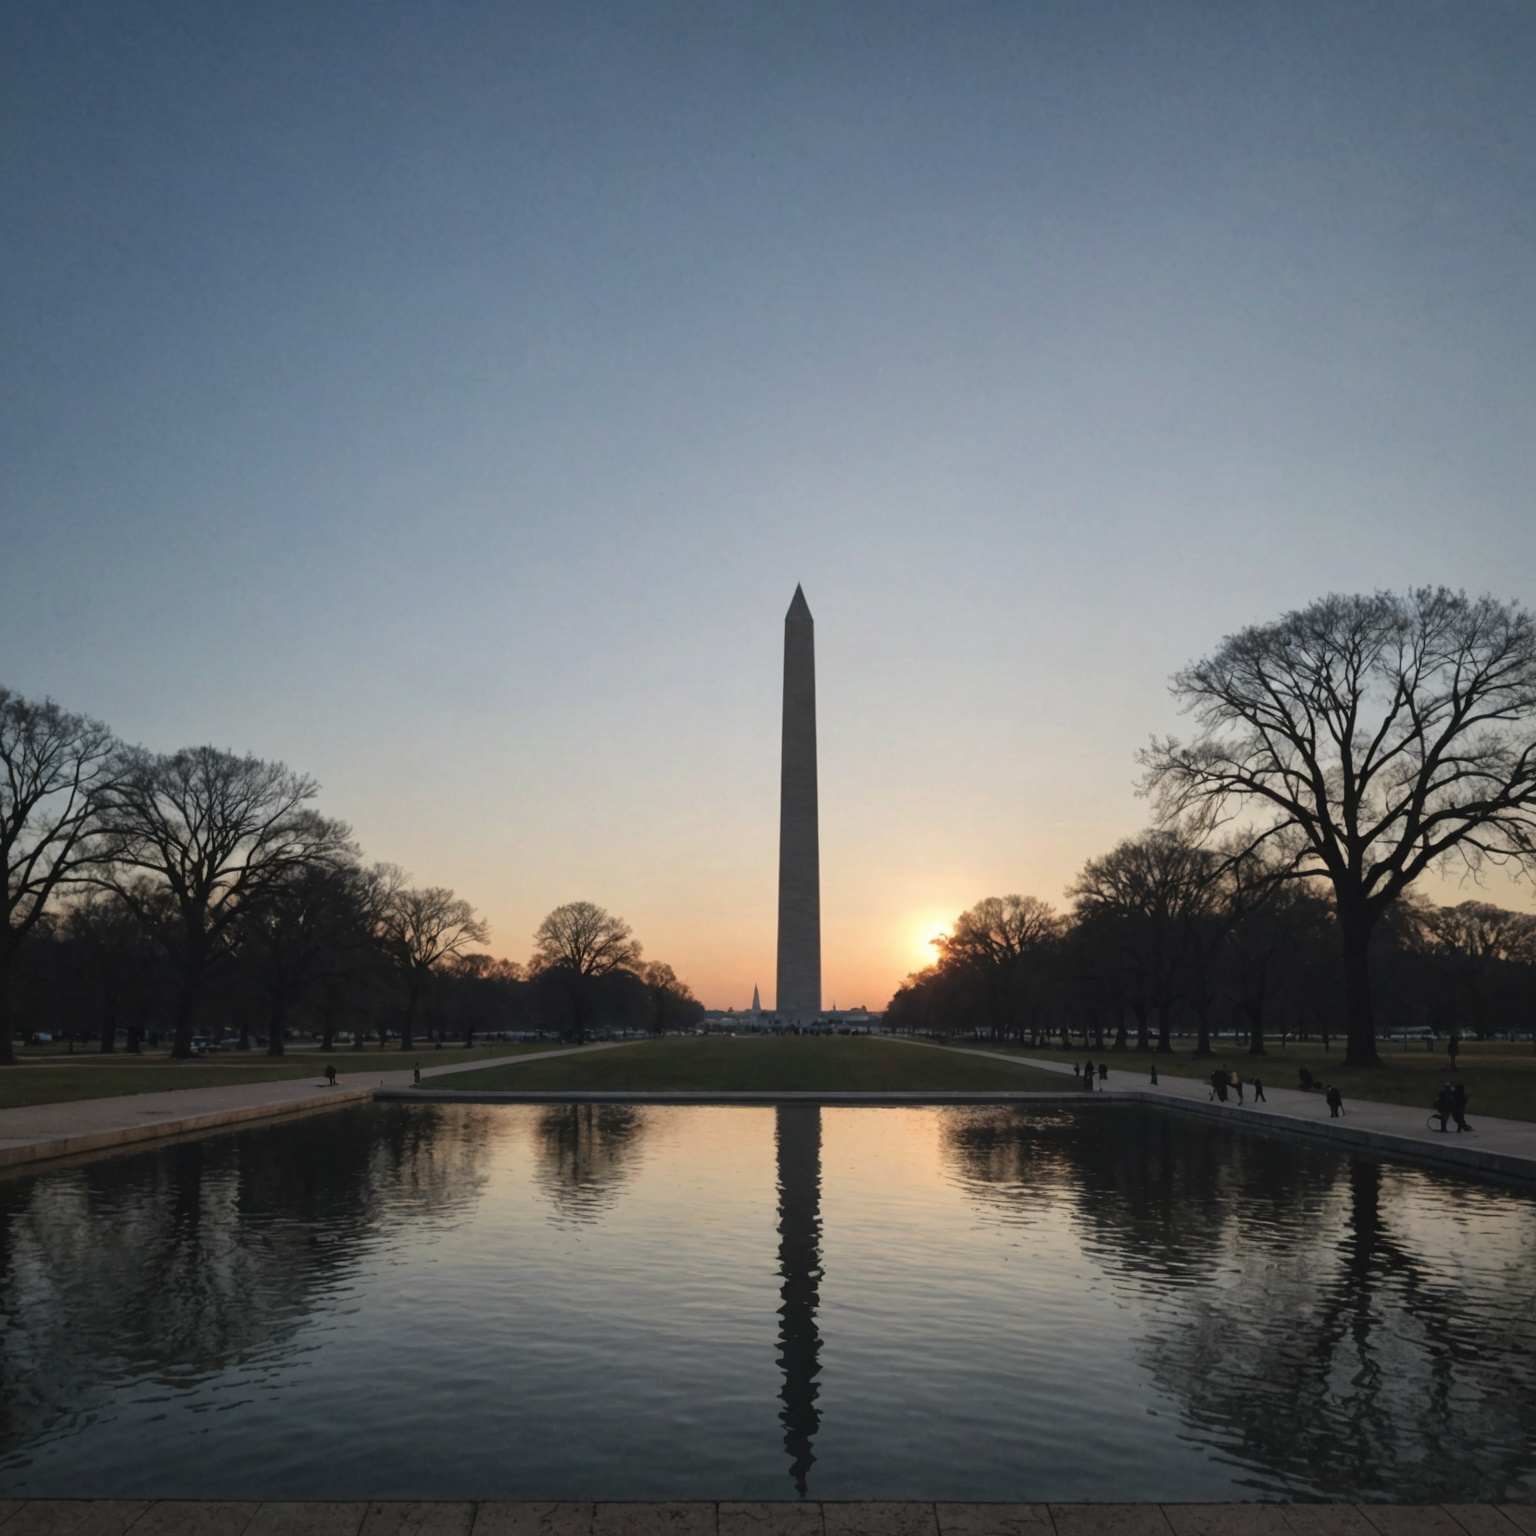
[1225, 1080]
[1450, 1101]
[1085, 1073]
[1451, 1104]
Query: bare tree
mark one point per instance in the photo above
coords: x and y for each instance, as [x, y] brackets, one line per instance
[1006, 942]
[119, 959]
[673, 1005]
[220, 832]
[574, 948]
[419, 929]
[1154, 894]
[55, 770]
[301, 931]
[1376, 736]
[1268, 924]
[1475, 938]
[582, 937]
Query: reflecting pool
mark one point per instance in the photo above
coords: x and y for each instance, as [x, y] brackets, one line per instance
[615, 1302]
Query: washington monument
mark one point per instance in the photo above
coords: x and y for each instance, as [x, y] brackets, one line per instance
[798, 995]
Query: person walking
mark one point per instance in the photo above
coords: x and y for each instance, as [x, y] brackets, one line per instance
[1154, 1074]
[1219, 1085]
[1459, 1107]
[1258, 1091]
[1088, 1077]
[1237, 1085]
[1103, 1072]
[1453, 1050]
[1335, 1102]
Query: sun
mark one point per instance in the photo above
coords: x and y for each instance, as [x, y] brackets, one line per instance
[924, 932]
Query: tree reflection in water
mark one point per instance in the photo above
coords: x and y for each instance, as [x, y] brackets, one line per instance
[797, 1142]
[1330, 1326]
[584, 1153]
[172, 1265]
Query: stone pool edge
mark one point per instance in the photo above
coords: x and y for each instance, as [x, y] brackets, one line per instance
[826, 1517]
[49, 1149]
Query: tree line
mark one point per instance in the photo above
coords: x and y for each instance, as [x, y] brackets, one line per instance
[200, 891]
[1340, 753]
[1168, 937]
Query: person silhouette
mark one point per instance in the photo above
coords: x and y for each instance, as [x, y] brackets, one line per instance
[1443, 1105]
[1459, 1107]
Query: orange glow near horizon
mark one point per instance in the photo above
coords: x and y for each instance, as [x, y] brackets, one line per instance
[924, 935]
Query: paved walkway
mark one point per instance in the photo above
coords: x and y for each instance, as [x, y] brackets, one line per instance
[1501, 1146]
[139, 1517]
[36, 1132]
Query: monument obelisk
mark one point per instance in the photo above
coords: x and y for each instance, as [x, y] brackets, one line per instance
[798, 995]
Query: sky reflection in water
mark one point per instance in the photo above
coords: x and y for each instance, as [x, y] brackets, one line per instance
[609, 1301]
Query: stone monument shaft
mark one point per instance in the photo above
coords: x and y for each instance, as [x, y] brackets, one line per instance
[799, 973]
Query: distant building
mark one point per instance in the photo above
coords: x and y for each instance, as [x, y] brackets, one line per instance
[828, 1021]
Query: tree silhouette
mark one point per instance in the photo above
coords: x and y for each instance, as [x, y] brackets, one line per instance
[1375, 736]
[218, 832]
[55, 771]
[419, 930]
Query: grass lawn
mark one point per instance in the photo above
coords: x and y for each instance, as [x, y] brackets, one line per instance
[105, 1077]
[1500, 1076]
[785, 1063]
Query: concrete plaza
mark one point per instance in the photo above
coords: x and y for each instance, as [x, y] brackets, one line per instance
[1506, 1147]
[41, 1132]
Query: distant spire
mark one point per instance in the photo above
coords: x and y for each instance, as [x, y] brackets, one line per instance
[798, 607]
[757, 1002]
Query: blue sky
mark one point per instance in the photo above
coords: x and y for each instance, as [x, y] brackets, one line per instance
[447, 398]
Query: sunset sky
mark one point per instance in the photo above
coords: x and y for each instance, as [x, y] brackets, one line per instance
[447, 398]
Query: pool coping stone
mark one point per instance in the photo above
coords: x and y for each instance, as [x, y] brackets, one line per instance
[852, 1517]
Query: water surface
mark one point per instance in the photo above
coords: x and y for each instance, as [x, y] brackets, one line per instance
[611, 1302]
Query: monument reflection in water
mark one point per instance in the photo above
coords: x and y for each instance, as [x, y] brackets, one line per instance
[606, 1301]
[797, 1143]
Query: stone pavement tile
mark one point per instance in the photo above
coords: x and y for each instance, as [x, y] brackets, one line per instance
[399, 1517]
[879, 1517]
[658, 1519]
[1226, 1519]
[8, 1507]
[776, 1519]
[195, 1517]
[1109, 1520]
[1327, 1520]
[1481, 1520]
[1411, 1520]
[507, 1518]
[994, 1520]
[1521, 1516]
[75, 1517]
[307, 1519]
